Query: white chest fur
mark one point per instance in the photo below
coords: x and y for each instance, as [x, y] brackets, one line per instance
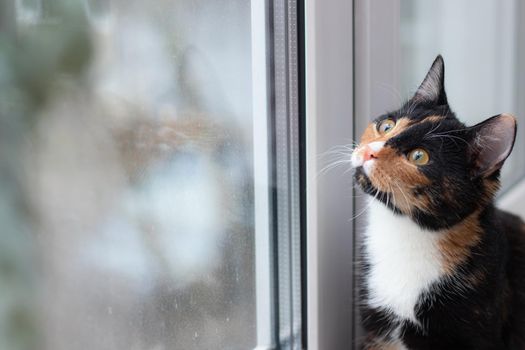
[404, 261]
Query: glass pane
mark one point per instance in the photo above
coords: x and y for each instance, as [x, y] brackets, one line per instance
[480, 42]
[135, 173]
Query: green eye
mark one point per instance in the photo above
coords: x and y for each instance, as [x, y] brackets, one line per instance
[418, 156]
[386, 126]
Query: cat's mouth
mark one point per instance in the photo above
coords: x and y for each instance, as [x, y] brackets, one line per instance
[363, 180]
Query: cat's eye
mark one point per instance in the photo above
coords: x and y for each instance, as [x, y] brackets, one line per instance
[418, 156]
[386, 126]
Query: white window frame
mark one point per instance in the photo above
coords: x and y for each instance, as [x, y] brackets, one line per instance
[329, 108]
[264, 292]
[277, 171]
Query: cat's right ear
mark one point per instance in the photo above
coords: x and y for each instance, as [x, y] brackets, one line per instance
[491, 143]
[432, 89]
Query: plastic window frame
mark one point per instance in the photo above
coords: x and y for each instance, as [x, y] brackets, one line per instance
[277, 172]
[329, 94]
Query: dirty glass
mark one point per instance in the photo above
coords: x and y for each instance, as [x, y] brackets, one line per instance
[127, 197]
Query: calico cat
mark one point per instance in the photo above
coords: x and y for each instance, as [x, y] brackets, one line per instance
[442, 267]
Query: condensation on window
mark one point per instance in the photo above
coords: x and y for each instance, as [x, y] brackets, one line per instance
[131, 163]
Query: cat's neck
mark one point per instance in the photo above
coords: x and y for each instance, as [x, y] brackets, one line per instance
[407, 260]
[404, 261]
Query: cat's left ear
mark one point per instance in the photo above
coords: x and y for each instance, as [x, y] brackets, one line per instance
[491, 143]
[432, 89]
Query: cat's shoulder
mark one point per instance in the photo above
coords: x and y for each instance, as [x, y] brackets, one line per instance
[510, 223]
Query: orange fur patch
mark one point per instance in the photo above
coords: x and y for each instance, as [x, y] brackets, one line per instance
[491, 187]
[371, 134]
[455, 243]
[434, 118]
[399, 178]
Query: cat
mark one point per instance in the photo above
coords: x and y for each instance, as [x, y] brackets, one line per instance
[441, 266]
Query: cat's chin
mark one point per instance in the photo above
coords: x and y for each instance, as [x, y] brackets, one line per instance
[364, 181]
[366, 186]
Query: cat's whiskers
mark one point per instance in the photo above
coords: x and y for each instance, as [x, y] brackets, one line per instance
[366, 207]
[356, 187]
[340, 148]
[333, 165]
[350, 169]
[339, 155]
[388, 198]
[391, 196]
[436, 127]
[407, 202]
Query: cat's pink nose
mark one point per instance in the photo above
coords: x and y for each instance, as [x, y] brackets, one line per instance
[369, 153]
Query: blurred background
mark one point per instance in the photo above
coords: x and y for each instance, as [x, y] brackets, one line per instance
[126, 184]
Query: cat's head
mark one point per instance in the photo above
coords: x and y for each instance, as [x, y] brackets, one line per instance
[421, 161]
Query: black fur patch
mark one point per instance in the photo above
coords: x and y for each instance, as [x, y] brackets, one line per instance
[481, 304]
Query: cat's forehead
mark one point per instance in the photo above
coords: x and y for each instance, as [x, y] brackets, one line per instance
[408, 126]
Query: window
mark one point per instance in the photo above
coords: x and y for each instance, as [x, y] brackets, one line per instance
[156, 166]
